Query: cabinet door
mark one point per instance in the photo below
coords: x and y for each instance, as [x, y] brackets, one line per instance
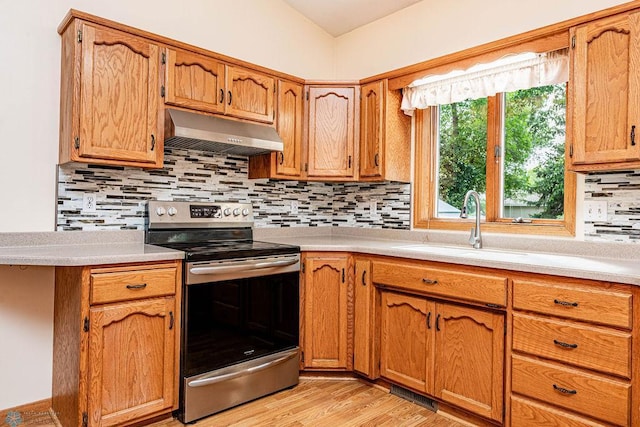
[331, 132]
[371, 129]
[406, 340]
[289, 126]
[120, 98]
[194, 81]
[469, 356]
[364, 328]
[250, 94]
[131, 353]
[606, 89]
[325, 315]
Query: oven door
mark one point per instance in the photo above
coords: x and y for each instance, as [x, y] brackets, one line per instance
[237, 320]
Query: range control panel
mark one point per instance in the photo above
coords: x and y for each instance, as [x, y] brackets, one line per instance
[170, 214]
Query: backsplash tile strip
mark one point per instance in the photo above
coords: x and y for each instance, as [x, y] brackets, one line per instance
[620, 190]
[122, 193]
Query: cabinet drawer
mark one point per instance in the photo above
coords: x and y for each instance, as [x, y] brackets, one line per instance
[596, 348]
[526, 413]
[574, 302]
[592, 395]
[134, 284]
[485, 288]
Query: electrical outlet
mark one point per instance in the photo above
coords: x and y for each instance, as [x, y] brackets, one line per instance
[373, 208]
[595, 210]
[294, 207]
[89, 202]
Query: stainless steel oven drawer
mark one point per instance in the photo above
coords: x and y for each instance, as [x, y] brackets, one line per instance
[218, 390]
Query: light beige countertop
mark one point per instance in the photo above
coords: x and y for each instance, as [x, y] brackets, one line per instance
[612, 262]
[572, 259]
[71, 248]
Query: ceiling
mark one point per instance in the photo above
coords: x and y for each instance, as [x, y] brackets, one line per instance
[338, 17]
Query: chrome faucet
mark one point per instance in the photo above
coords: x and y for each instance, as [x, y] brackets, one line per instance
[475, 239]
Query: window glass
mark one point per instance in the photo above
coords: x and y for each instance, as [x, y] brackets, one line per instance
[533, 153]
[462, 154]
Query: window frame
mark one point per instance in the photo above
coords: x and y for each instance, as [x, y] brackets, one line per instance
[425, 180]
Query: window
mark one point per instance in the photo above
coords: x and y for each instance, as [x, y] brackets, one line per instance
[507, 146]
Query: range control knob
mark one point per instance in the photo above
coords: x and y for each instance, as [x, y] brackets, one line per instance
[172, 211]
[160, 211]
[227, 212]
[245, 212]
[236, 212]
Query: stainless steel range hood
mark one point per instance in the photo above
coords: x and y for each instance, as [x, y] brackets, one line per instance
[184, 129]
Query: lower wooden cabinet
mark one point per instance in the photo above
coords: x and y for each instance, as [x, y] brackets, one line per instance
[452, 352]
[116, 343]
[366, 321]
[325, 325]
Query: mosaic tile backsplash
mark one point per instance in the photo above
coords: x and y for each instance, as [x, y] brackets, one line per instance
[621, 191]
[121, 194]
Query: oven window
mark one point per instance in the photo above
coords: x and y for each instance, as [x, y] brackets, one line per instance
[238, 320]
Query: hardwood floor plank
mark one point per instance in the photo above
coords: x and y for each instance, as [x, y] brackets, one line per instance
[325, 402]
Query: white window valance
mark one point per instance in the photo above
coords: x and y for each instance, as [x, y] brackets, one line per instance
[508, 74]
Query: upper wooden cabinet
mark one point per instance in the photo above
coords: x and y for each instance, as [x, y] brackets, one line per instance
[250, 94]
[605, 88]
[194, 81]
[203, 83]
[286, 164]
[385, 135]
[331, 149]
[110, 104]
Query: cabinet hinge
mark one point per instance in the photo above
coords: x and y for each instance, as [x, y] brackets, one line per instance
[85, 419]
[505, 329]
[573, 42]
[162, 91]
[79, 36]
[302, 356]
[571, 150]
[497, 151]
[302, 267]
[307, 96]
[86, 324]
[76, 142]
[306, 167]
[164, 58]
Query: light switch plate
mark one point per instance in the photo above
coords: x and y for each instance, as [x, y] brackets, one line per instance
[595, 210]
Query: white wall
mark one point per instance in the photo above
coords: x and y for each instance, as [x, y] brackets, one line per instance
[432, 28]
[264, 32]
[26, 335]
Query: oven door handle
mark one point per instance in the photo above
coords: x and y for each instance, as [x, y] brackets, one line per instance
[201, 382]
[242, 267]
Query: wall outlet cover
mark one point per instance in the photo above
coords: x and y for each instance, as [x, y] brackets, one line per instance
[89, 202]
[294, 207]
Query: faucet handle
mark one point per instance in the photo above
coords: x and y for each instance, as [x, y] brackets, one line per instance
[472, 237]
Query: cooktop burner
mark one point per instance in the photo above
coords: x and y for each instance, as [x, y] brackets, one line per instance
[205, 251]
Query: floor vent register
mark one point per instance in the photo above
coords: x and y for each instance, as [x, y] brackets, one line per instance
[415, 398]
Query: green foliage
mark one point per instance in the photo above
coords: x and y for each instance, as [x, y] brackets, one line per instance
[534, 127]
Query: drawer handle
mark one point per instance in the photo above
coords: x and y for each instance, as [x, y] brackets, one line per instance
[564, 344]
[565, 303]
[564, 390]
[429, 282]
[139, 286]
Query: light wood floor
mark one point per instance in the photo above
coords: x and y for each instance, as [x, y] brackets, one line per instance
[321, 402]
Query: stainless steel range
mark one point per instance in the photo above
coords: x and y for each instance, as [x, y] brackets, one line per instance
[240, 305]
